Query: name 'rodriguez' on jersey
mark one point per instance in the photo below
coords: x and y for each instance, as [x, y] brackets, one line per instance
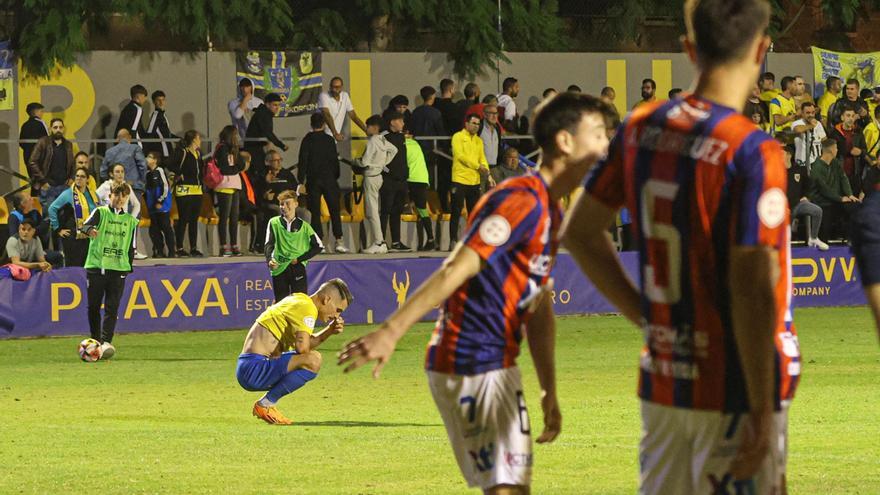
[699, 178]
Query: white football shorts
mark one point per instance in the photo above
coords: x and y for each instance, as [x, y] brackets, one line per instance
[690, 451]
[488, 425]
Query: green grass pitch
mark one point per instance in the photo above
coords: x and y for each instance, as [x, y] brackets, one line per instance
[167, 416]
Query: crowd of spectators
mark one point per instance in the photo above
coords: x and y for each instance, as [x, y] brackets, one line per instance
[831, 145]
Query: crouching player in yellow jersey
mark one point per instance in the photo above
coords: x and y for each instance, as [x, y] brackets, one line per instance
[279, 354]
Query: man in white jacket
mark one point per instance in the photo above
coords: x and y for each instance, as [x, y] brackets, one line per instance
[378, 154]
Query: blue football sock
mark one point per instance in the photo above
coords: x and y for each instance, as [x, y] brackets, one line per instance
[289, 384]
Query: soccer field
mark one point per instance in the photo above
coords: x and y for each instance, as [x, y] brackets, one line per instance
[167, 416]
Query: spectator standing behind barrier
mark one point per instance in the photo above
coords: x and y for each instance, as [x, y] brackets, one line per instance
[808, 135]
[117, 176]
[450, 125]
[417, 183]
[262, 128]
[25, 249]
[67, 215]
[335, 106]
[509, 166]
[290, 244]
[798, 200]
[427, 120]
[468, 165]
[187, 165]
[231, 164]
[158, 128]
[872, 135]
[242, 108]
[393, 192]
[507, 104]
[649, 93]
[51, 164]
[318, 170]
[132, 114]
[549, 93]
[782, 107]
[830, 189]
[850, 149]
[767, 82]
[23, 208]
[833, 87]
[277, 180]
[108, 263]
[850, 101]
[33, 128]
[377, 156]
[801, 95]
[471, 97]
[131, 156]
[158, 199]
[754, 105]
[398, 104]
[490, 133]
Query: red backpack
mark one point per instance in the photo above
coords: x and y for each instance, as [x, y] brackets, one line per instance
[212, 176]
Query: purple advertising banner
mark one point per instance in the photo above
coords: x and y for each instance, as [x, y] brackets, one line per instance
[232, 295]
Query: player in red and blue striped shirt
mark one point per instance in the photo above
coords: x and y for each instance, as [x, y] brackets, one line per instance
[711, 222]
[496, 284]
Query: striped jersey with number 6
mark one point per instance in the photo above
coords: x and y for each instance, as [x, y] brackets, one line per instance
[699, 179]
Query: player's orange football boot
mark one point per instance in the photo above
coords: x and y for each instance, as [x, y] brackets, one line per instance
[270, 415]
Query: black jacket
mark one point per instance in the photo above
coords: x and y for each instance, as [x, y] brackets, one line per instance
[187, 168]
[129, 119]
[33, 128]
[448, 113]
[427, 121]
[798, 183]
[261, 126]
[158, 129]
[221, 158]
[318, 158]
[398, 168]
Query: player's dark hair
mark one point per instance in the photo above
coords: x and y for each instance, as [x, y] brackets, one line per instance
[56, 119]
[574, 88]
[122, 189]
[394, 115]
[157, 94]
[854, 82]
[490, 100]
[245, 82]
[341, 289]
[722, 30]
[866, 94]
[336, 78]
[427, 92]
[33, 107]
[786, 82]
[650, 81]
[445, 84]
[606, 91]
[473, 116]
[807, 104]
[673, 93]
[30, 222]
[564, 113]
[767, 76]
[272, 97]
[316, 120]
[508, 83]
[80, 153]
[155, 155]
[827, 143]
[548, 91]
[137, 89]
[287, 194]
[830, 81]
[375, 120]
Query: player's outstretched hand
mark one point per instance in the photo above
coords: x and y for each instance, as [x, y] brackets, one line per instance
[754, 447]
[375, 346]
[552, 418]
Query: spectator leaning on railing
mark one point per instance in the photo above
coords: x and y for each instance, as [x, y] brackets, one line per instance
[336, 106]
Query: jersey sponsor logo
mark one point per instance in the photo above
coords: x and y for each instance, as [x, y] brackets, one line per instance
[518, 460]
[668, 367]
[484, 458]
[495, 230]
[309, 321]
[771, 207]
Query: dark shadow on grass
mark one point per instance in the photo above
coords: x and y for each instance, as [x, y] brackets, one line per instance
[364, 424]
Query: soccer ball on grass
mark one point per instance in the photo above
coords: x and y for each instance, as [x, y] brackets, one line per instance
[90, 350]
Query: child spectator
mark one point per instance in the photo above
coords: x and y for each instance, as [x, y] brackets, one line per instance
[158, 196]
[290, 243]
[377, 156]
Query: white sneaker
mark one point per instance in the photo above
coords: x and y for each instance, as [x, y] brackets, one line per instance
[818, 244]
[107, 350]
[341, 249]
[377, 249]
[139, 256]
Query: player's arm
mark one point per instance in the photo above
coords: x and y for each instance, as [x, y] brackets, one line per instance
[541, 334]
[335, 327]
[754, 271]
[585, 234]
[461, 265]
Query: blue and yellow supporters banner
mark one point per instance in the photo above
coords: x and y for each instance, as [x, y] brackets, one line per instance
[6, 81]
[296, 76]
[865, 67]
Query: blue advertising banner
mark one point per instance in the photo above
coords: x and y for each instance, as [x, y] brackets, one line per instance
[232, 295]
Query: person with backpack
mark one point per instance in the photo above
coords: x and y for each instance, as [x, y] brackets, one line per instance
[230, 163]
[187, 165]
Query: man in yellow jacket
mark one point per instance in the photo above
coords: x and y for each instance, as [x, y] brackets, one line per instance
[468, 164]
